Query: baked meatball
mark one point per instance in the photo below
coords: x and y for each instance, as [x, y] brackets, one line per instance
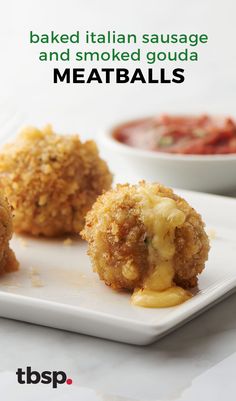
[144, 236]
[51, 181]
[8, 262]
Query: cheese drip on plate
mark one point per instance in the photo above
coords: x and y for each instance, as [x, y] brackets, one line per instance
[160, 216]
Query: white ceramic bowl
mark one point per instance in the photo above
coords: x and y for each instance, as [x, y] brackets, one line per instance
[206, 173]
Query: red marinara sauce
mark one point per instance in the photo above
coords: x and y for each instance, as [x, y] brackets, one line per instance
[196, 135]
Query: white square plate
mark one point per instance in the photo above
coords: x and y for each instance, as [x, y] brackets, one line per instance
[55, 285]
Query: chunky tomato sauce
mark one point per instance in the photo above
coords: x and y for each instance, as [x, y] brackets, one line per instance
[202, 135]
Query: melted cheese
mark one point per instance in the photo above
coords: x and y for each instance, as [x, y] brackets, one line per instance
[160, 299]
[161, 217]
[129, 271]
[161, 277]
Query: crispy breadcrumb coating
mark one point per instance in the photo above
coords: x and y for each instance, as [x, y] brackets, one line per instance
[118, 239]
[8, 262]
[51, 181]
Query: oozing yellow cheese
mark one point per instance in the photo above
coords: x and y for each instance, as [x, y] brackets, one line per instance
[160, 299]
[160, 216]
[161, 277]
[129, 271]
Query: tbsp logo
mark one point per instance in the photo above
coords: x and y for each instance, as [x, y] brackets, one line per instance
[30, 376]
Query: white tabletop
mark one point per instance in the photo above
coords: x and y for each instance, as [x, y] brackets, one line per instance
[198, 360]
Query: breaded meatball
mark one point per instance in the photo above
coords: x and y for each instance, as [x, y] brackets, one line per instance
[8, 262]
[145, 236]
[51, 181]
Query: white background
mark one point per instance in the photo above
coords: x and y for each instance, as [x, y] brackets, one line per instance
[200, 357]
